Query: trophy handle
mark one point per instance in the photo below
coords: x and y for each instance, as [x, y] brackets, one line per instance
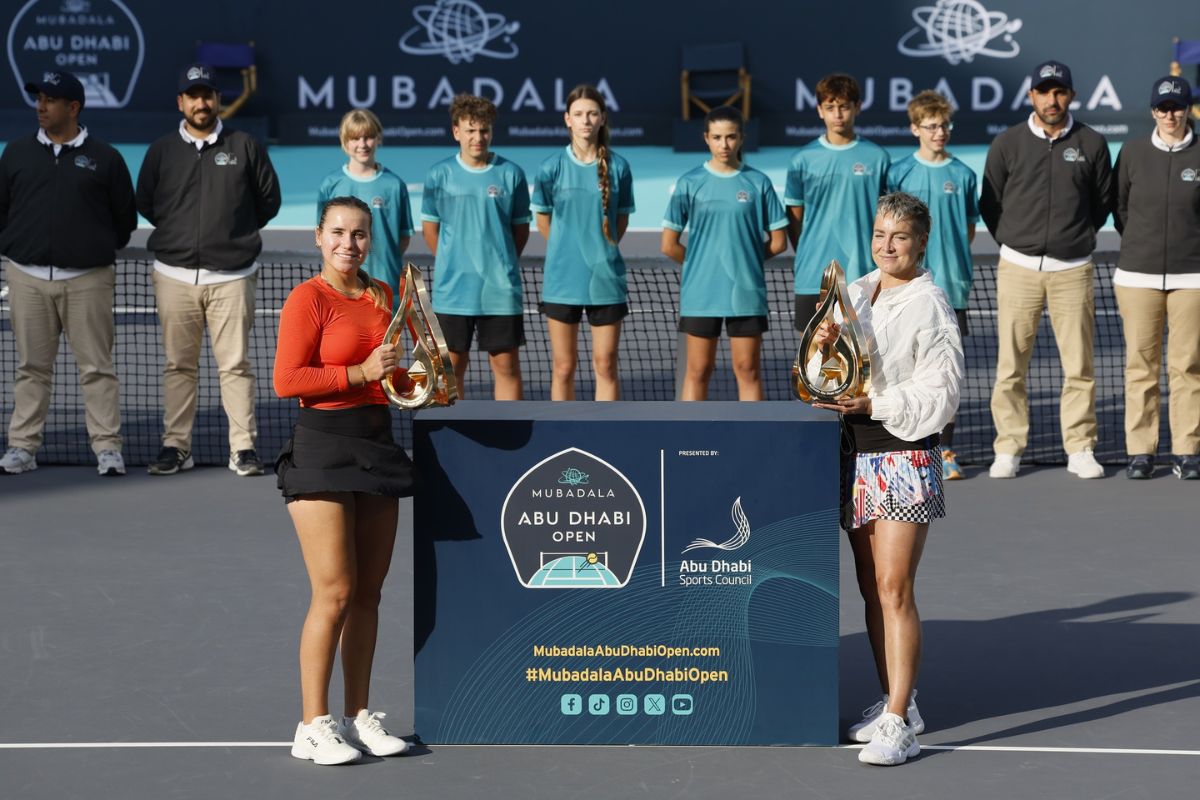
[845, 365]
[431, 373]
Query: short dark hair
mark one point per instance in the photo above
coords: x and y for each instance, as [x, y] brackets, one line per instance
[838, 86]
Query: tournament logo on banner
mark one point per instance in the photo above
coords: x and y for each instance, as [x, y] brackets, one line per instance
[573, 521]
[98, 41]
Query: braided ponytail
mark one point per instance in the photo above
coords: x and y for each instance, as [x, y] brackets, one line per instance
[603, 165]
[605, 186]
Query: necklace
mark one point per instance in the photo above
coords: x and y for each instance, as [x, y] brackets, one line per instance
[353, 294]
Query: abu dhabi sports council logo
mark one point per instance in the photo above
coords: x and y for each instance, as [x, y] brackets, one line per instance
[949, 188]
[573, 521]
[1188, 175]
[1071, 155]
[460, 30]
[377, 202]
[83, 162]
[225, 160]
[741, 532]
[743, 197]
[99, 41]
[959, 30]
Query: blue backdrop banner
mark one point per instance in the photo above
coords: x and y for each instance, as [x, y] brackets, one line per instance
[406, 60]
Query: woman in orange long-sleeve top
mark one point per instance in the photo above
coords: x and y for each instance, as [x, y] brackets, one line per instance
[341, 474]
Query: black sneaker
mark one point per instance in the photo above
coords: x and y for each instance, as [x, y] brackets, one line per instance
[1140, 468]
[170, 460]
[245, 463]
[1187, 468]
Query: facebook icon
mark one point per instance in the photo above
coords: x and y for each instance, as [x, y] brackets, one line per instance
[571, 704]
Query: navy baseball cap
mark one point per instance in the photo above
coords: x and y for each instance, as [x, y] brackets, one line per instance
[1171, 89]
[58, 84]
[197, 75]
[1051, 72]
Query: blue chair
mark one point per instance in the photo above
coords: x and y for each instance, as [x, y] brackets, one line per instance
[236, 74]
[1186, 51]
[714, 75]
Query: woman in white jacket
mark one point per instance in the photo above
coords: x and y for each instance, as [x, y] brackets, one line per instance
[891, 475]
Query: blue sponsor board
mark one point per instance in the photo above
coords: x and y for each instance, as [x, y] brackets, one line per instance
[411, 58]
[626, 573]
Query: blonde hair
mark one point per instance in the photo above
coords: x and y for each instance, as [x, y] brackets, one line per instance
[586, 92]
[929, 104]
[359, 122]
[904, 207]
[370, 286]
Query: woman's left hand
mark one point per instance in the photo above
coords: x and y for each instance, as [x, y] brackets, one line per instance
[848, 405]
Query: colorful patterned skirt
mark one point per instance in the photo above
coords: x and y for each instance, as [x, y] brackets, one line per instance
[903, 485]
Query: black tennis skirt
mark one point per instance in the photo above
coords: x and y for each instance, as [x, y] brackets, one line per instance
[344, 450]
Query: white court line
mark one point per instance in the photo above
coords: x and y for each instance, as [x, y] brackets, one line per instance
[1125, 751]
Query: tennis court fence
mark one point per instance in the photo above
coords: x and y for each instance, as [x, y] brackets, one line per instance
[648, 363]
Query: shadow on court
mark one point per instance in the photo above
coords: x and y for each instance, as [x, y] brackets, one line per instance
[1047, 662]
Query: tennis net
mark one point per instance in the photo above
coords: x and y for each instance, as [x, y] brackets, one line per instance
[648, 363]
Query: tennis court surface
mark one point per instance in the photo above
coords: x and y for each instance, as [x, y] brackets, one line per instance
[150, 625]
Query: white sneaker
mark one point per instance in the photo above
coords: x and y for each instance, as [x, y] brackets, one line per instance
[367, 733]
[320, 741]
[1084, 464]
[1005, 466]
[109, 463]
[16, 461]
[893, 743]
[863, 731]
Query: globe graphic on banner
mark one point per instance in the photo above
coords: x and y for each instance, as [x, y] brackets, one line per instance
[959, 30]
[459, 30]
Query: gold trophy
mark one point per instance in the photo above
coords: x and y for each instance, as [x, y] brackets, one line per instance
[845, 365]
[431, 373]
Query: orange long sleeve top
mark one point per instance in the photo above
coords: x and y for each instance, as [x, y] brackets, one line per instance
[321, 333]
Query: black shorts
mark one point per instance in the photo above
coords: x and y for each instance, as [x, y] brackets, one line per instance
[963, 328]
[597, 315]
[497, 332]
[343, 450]
[804, 309]
[710, 327]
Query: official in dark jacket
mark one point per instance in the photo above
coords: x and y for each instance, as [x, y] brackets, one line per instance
[1157, 280]
[207, 190]
[66, 207]
[1047, 188]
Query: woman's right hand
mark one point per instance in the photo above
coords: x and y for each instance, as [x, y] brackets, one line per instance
[382, 361]
[826, 334]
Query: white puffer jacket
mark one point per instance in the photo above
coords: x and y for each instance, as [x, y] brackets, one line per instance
[916, 354]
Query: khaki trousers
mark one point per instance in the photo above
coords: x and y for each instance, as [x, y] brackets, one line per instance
[1020, 296]
[42, 310]
[228, 311]
[1145, 314]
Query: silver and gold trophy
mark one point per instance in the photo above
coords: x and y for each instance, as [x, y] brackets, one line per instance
[843, 367]
[431, 373]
